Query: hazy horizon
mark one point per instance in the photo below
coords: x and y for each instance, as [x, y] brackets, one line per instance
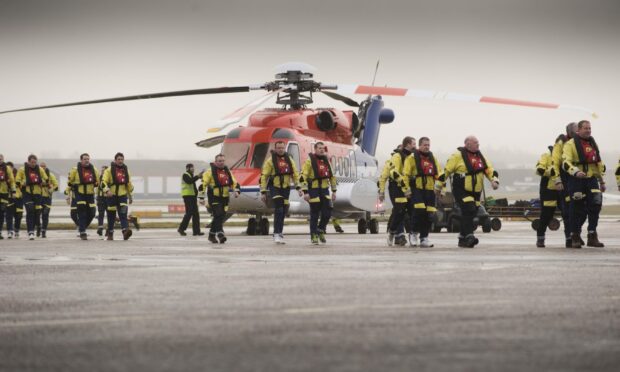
[54, 52]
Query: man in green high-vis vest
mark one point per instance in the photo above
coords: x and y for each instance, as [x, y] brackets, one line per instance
[189, 192]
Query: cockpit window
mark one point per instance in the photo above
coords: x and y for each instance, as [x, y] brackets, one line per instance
[236, 154]
[260, 152]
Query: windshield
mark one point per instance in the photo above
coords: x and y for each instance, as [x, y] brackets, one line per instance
[260, 152]
[236, 154]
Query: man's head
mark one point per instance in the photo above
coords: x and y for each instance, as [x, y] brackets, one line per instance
[319, 148]
[103, 168]
[424, 145]
[119, 159]
[584, 129]
[220, 160]
[32, 160]
[189, 167]
[280, 148]
[571, 130]
[43, 165]
[408, 143]
[472, 144]
[85, 160]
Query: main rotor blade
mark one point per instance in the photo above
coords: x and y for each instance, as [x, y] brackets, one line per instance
[451, 96]
[342, 98]
[242, 112]
[146, 96]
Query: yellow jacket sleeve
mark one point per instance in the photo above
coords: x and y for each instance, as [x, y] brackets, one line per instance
[53, 182]
[556, 161]
[491, 173]
[21, 177]
[11, 179]
[266, 172]
[306, 174]
[383, 178]
[295, 173]
[451, 166]
[409, 171]
[129, 184]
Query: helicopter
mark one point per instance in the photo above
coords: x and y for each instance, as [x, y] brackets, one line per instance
[351, 138]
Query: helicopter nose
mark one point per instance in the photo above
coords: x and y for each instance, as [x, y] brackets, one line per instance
[247, 177]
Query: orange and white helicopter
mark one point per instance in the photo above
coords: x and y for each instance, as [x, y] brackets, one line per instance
[351, 137]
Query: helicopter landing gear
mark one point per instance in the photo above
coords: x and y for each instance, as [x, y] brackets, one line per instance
[258, 225]
[368, 224]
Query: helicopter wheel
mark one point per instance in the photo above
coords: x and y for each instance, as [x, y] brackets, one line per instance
[554, 224]
[251, 226]
[374, 226]
[496, 224]
[264, 226]
[362, 226]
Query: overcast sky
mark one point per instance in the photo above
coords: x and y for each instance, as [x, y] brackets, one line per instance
[559, 51]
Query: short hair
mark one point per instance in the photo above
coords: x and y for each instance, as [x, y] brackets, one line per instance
[582, 123]
[189, 165]
[220, 155]
[32, 156]
[317, 144]
[407, 140]
[104, 167]
[83, 155]
[568, 126]
[119, 154]
[278, 142]
[422, 139]
[9, 163]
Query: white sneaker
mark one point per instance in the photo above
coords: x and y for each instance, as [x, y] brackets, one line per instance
[390, 239]
[425, 243]
[16, 234]
[31, 236]
[11, 234]
[278, 239]
[413, 240]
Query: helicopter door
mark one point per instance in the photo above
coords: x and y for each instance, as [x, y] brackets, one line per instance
[293, 151]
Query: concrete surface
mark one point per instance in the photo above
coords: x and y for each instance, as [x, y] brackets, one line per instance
[160, 302]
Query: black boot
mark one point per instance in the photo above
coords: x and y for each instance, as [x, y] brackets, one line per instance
[569, 243]
[593, 240]
[212, 238]
[540, 242]
[575, 240]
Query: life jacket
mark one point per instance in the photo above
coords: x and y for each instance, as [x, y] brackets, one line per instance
[3, 170]
[425, 163]
[587, 150]
[33, 175]
[221, 176]
[120, 175]
[86, 174]
[281, 164]
[321, 167]
[474, 161]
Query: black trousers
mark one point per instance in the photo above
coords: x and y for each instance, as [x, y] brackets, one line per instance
[468, 202]
[191, 213]
[219, 206]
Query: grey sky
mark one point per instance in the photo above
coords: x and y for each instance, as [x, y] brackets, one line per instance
[561, 51]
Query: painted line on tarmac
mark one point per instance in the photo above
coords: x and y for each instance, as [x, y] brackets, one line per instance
[79, 321]
[348, 308]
